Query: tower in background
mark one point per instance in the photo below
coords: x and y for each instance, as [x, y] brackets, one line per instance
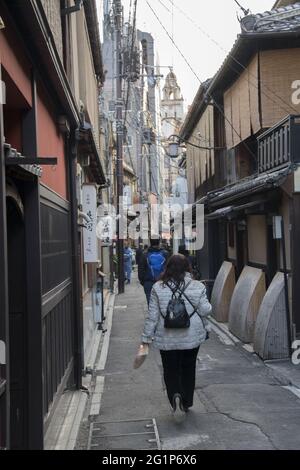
[172, 114]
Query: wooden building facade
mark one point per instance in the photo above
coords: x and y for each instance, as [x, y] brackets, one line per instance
[247, 177]
[41, 323]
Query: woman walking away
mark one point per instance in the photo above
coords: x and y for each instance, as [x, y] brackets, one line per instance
[176, 323]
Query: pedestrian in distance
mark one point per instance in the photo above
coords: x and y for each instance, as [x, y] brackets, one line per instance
[151, 266]
[139, 253]
[127, 263]
[192, 260]
[177, 326]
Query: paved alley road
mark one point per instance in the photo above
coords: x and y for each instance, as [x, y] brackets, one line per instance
[238, 403]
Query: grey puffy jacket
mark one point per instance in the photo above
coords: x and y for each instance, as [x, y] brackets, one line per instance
[173, 339]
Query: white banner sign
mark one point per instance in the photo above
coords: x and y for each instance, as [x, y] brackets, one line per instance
[89, 207]
[127, 195]
[106, 230]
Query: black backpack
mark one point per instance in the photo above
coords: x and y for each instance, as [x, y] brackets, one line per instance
[177, 316]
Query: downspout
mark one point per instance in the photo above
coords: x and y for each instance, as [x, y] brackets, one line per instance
[78, 320]
[286, 288]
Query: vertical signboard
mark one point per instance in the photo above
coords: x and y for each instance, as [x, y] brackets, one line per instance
[127, 195]
[89, 207]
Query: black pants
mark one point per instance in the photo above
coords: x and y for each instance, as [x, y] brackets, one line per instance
[179, 374]
[148, 288]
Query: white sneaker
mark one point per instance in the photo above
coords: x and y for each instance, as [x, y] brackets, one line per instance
[178, 412]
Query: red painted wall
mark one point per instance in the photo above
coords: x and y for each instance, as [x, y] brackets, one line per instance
[13, 58]
[17, 70]
[16, 74]
[51, 144]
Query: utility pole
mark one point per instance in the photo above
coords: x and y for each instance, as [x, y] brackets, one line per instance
[119, 126]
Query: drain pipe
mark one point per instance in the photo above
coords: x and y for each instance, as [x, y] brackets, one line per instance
[286, 287]
[78, 320]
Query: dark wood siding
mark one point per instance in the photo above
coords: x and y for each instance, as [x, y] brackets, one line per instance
[57, 310]
[296, 262]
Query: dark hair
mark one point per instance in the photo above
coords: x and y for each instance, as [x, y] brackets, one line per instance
[154, 241]
[183, 251]
[176, 268]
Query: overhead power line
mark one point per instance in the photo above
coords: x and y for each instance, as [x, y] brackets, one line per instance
[164, 6]
[200, 81]
[261, 82]
[131, 55]
[246, 12]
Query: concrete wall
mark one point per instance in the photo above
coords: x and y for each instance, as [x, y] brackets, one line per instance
[271, 337]
[222, 292]
[246, 300]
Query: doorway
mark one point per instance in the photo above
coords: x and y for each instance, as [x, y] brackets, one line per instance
[17, 322]
[241, 245]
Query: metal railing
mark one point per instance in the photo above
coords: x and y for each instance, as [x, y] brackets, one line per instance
[279, 145]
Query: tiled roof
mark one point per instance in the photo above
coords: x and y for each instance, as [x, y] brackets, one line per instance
[279, 20]
[285, 20]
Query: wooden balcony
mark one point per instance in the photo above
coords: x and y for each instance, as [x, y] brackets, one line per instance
[280, 145]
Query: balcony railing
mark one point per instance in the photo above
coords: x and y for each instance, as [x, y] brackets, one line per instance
[279, 145]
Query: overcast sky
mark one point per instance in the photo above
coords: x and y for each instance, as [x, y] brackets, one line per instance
[218, 18]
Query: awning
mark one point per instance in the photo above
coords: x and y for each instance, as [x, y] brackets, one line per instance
[231, 210]
[31, 165]
[247, 187]
[219, 213]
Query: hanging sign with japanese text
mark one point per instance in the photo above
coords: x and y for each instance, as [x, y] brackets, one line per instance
[89, 207]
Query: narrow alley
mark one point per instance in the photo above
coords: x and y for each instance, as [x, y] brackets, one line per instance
[239, 404]
[149, 155]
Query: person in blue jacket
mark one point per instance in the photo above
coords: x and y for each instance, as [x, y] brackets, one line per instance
[127, 263]
[151, 266]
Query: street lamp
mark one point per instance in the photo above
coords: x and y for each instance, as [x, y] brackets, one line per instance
[174, 145]
[175, 142]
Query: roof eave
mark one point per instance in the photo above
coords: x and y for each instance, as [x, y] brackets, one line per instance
[242, 52]
[194, 113]
[90, 9]
[246, 45]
